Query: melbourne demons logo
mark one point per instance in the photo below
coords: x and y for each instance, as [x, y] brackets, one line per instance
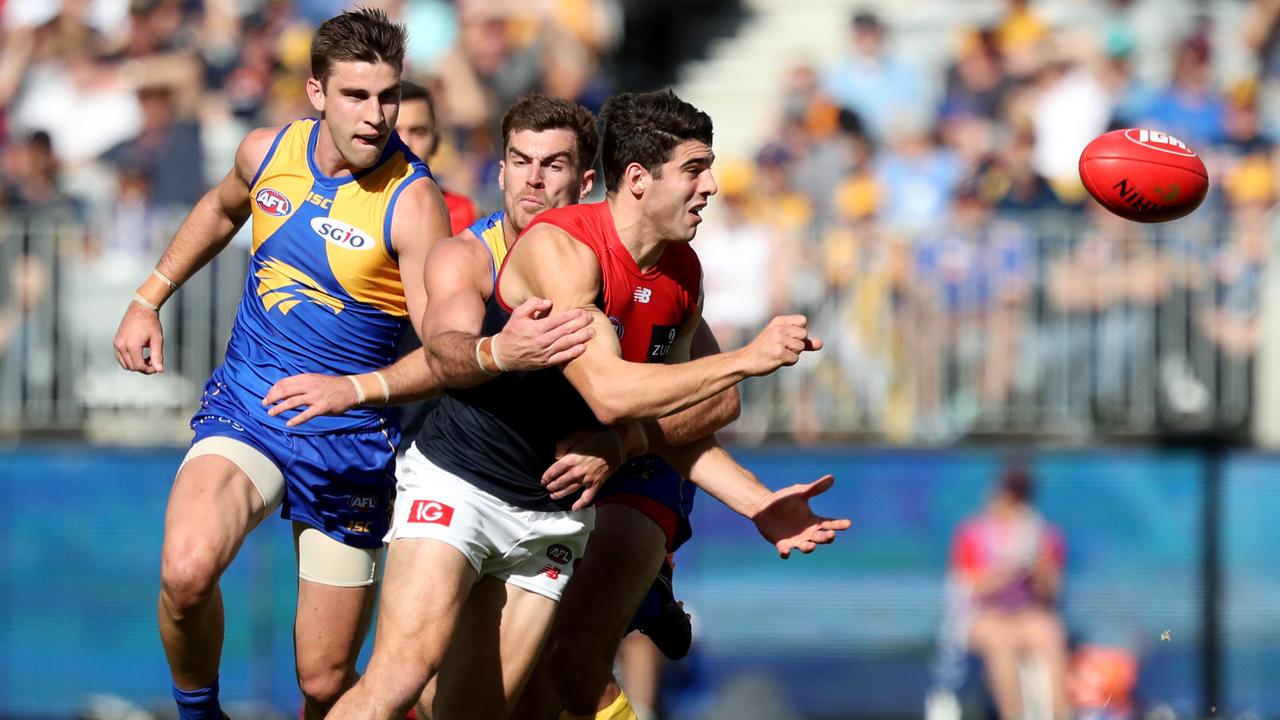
[273, 202]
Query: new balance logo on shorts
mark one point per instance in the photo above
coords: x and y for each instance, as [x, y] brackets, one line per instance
[430, 511]
[551, 571]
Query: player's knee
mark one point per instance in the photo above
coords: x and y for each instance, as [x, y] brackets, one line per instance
[188, 577]
[322, 683]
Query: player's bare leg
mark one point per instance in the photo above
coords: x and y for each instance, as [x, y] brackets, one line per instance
[423, 592]
[331, 622]
[623, 555]
[641, 664]
[498, 640]
[212, 507]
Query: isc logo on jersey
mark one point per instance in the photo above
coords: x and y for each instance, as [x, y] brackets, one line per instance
[341, 234]
[1156, 140]
[273, 202]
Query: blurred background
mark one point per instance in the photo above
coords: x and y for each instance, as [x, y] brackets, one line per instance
[1055, 430]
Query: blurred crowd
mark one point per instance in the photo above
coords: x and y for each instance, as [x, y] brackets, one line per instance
[928, 217]
[933, 221]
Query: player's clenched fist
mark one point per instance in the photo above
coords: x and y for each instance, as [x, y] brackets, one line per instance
[139, 341]
[779, 344]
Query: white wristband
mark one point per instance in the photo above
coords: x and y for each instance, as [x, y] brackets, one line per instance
[493, 350]
[386, 389]
[480, 357]
[137, 297]
[172, 285]
[359, 390]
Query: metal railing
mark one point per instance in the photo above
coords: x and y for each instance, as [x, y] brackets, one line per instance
[1052, 325]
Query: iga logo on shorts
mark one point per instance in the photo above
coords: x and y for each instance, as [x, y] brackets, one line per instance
[560, 554]
[341, 234]
[430, 511]
[273, 202]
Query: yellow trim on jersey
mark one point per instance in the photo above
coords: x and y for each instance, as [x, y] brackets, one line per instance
[495, 239]
[287, 173]
[355, 213]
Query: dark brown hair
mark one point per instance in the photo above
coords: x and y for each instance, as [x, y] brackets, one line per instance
[360, 35]
[535, 111]
[645, 128]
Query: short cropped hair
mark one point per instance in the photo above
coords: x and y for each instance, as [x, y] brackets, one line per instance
[360, 35]
[645, 128]
[537, 112]
[410, 91]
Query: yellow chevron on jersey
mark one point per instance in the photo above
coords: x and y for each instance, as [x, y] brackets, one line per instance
[277, 281]
[323, 293]
[352, 215]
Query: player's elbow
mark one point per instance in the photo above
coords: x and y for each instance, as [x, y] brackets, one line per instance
[609, 412]
[610, 406]
[730, 405]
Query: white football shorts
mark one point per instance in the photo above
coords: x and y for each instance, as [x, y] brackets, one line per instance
[530, 549]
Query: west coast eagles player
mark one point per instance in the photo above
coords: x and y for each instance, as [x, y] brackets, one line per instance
[343, 217]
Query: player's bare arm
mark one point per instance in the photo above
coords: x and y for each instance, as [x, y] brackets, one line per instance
[548, 263]
[782, 517]
[215, 219]
[586, 459]
[419, 222]
[459, 282]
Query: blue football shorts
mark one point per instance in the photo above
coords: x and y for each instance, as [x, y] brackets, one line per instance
[342, 484]
[653, 487]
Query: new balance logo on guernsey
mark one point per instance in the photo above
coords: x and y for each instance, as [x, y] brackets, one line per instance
[430, 511]
[643, 295]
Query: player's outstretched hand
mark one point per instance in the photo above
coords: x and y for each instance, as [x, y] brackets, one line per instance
[320, 394]
[533, 340]
[784, 518]
[139, 341]
[779, 344]
[584, 460]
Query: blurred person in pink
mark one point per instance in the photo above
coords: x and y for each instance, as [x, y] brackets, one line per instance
[1009, 559]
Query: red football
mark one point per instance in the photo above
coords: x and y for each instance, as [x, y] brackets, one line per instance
[1143, 175]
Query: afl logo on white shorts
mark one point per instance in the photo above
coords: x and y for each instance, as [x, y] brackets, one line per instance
[341, 234]
[273, 202]
[617, 326]
[560, 554]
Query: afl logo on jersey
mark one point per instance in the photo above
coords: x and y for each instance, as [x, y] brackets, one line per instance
[341, 234]
[617, 326]
[273, 202]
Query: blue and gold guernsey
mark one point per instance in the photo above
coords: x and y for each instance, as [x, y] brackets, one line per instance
[324, 293]
[489, 230]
